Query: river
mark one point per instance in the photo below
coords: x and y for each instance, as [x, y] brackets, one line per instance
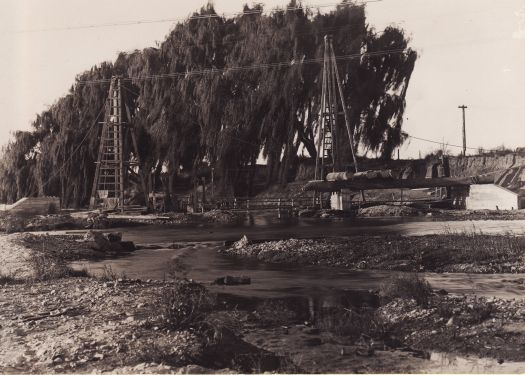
[196, 249]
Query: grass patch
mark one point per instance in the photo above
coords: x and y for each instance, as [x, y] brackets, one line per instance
[48, 267]
[109, 275]
[479, 310]
[408, 286]
[12, 223]
[6, 279]
[271, 313]
[349, 323]
[185, 304]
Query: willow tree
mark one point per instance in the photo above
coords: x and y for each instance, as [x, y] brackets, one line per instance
[222, 92]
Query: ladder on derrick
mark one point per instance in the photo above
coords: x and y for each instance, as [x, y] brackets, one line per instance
[112, 165]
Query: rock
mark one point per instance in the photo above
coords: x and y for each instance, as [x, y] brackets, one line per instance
[58, 359]
[232, 280]
[311, 331]
[442, 292]
[450, 322]
[241, 243]
[194, 369]
[307, 213]
[128, 246]
[113, 236]
[314, 341]
[365, 352]
[97, 220]
[100, 242]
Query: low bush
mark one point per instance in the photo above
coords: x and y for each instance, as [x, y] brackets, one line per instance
[13, 223]
[479, 310]
[6, 279]
[349, 323]
[47, 267]
[185, 304]
[410, 286]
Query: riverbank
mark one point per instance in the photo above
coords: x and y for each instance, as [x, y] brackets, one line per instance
[97, 220]
[83, 220]
[468, 252]
[112, 323]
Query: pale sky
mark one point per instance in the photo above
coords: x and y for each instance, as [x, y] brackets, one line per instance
[471, 52]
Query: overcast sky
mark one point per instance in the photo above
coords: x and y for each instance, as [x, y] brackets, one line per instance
[471, 52]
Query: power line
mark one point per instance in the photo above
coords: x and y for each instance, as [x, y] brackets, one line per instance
[247, 67]
[312, 32]
[447, 144]
[195, 17]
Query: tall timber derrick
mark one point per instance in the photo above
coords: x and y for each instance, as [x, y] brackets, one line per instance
[329, 157]
[114, 164]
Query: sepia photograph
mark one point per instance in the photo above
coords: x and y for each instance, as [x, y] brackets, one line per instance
[283, 187]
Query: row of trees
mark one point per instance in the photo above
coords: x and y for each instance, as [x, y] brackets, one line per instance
[227, 118]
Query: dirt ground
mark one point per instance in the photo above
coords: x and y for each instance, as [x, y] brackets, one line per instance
[110, 323]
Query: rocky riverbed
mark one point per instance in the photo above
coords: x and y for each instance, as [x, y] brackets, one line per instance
[69, 324]
[470, 252]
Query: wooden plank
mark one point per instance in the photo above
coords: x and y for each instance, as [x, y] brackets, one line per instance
[378, 184]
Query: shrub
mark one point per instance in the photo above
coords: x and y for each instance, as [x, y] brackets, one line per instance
[14, 223]
[185, 304]
[407, 286]
[7, 279]
[47, 267]
[347, 322]
[480, 310]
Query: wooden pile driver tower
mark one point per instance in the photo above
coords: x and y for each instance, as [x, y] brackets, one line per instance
[113, 161]
[328, 156]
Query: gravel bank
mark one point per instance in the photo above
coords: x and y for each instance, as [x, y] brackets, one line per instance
[461, 252]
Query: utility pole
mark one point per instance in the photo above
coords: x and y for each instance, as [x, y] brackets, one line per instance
[463, 107]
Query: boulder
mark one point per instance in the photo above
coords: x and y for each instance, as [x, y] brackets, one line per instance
[241, 243]
[99, 241]
[113, 236]
[233, 280]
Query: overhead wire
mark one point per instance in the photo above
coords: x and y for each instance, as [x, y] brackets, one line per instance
[245, 67]
[446, 144]
[194, 17]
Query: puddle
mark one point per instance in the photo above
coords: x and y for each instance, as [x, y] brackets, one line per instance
[453, 364]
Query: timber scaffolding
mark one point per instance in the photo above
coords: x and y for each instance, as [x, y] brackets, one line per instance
[114, 165]
[343, 185]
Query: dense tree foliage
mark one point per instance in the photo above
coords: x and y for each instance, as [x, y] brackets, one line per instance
[210, 112]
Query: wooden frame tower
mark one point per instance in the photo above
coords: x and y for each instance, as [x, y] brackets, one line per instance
[328, 156]
[113, 164]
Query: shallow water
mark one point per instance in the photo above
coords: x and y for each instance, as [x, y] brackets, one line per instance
[204, 264]
[270, 226]
[311, 287]
[452, 364]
